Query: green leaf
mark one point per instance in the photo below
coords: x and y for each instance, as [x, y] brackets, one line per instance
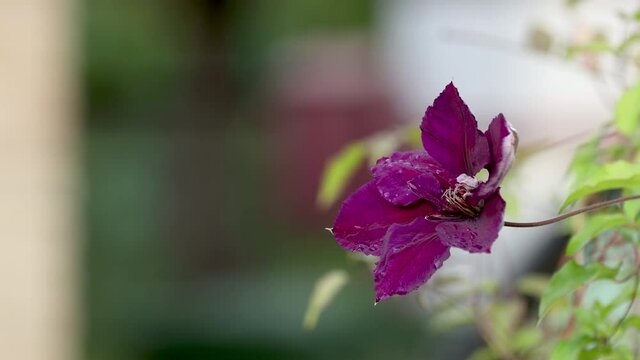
[622, 352]
[632, 208]
[628, 110]
[583, 164]
[327, 287]
[568, 279]
[623, 294]
[632, 321]
[569, 349]
[619, 174]
[593, 321]
[595, 226]
[338, 171]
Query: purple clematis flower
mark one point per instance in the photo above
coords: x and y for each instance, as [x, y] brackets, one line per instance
[421, 203]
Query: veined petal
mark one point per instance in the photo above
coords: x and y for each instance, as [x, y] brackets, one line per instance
[429, 187]
[475, 234]
[503, 141]
[365, 216]
[412, 253]
[406, 177]
[450, 135]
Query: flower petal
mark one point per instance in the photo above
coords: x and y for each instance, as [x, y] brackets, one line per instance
[429, 187]
[406, 177]
[477, 234]
[412, 254]
[450, 135]
[503, 141]
[365, 216]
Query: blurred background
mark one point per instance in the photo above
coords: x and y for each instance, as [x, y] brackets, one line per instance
[161, 161]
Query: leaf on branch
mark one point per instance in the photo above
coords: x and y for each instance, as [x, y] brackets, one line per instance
[631, 321]
[583, 164]
[569, 279]
[616, 175]
[344, 165]
[569, 349]
[594, 226]
[632, 208]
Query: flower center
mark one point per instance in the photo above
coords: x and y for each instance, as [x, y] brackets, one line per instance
[456, 197]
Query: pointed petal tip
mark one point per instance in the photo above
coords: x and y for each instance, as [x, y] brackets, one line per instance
[503, 144]
[380, 298]
[365, 217]
[450, 134]
[501, 118]
[412, 254]
[449, 90]
[385, 296]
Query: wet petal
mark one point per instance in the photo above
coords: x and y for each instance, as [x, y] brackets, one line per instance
[412, 254]
[429, 187]
[406, 177]
[450, 135]
[503, 141]
[365, 217]
[476, 234]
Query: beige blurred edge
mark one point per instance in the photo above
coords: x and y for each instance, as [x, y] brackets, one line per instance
[39, 180]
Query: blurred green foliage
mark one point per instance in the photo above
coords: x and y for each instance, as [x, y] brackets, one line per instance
[340, 169]
[134, 52]
[183, 257]
[602, 271]
[144, 68]
[260, 24]
[570, 277]
[326, 288]
[597, 224]
[628, 111]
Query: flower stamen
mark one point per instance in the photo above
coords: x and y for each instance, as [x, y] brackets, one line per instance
[456, 199]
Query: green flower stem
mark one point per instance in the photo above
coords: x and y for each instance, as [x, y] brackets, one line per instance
[572, 213]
